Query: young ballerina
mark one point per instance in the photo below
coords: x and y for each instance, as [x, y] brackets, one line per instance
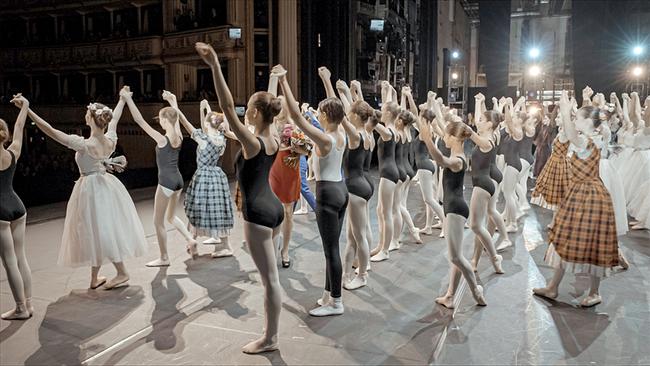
[331, 192]
[543, 142]
[388, 174]
[101, 222]
[261, 209]
[510, 150]
[13, 217]
[170, 181]
[455, 207]
[208, 204]
[583, 236]
[529, 129]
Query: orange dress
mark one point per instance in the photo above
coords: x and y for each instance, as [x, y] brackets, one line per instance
[285, 179]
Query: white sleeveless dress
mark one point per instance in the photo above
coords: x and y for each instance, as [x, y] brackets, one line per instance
[101, 222]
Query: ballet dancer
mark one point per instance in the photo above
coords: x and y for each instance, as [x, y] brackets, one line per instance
[262, 211]
[525, 146]
[101, 222]
[170, 180]
[388, 173]
[331, 192]
[208, 203]
[543, 141]
[508, 146]
[583, 236]
[13, 217]
[455, 207]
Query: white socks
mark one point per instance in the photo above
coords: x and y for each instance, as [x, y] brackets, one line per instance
[333, 307]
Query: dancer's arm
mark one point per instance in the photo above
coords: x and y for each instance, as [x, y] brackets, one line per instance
[320, 138]
[483, 143]
[646, 113]
[516, 133]
[137, 117]
[411, 102]
[344, 95]
[250, 144]
[117, 113]
[452, 162]
[569, 125]
[58, 136]
[273, 85]
[355, 87]
[635, 110]
[171, 99]
[17, 139]
[439, 124]
[586, 96]
[204, 110]
[325, 76]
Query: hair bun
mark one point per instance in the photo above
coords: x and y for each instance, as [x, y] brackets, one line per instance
[4, 131]
[276, 106]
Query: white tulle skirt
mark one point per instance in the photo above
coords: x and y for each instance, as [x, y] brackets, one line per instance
[640, 208]
[636, 175]
[612, 181]
[101, 224]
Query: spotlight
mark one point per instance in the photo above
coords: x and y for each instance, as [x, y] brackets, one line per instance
[455, 54]
[534, 52]
[534, 71]
[454, 76]
[637, 50]
[637, 71]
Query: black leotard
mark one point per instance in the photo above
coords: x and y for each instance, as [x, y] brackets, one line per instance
[260, 205]
[11, 207]
[386, 157]
[422, 156]
[509, 147]
[526, 149]
[440, 144]
[452, 185]
[399, 160]
[354, 177]
[167, 160]
[481, 163]
[408, 159]
[366, 170]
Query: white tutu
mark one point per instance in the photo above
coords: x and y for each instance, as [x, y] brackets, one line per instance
[640, 207]
[101, 222]
[636, 175]
[614, 185]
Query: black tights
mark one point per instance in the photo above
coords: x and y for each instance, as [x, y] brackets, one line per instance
[331, 202]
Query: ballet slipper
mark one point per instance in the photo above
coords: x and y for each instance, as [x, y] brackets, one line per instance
[116, 282]
[29, 305]
[504, 245]
[591, 300]
[95, 284]
[381, 256]
[333, 307]
[437, 225]
[20, 312]
[446, 301]
[496, 263]
[191, 249]
[222, 253]
[158, 263]
[622, 261]
[512, 228]
[212, 241]
[394, 245]
[260, 346]
[426, 231]
[478, 296]
[545, 292]
[357, 282]
[324, 299]
[356, 271]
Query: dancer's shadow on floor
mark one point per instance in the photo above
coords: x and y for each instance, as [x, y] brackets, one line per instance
[76, 319]
[11, 329]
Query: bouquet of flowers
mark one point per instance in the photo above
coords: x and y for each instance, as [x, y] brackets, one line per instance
[293, 137]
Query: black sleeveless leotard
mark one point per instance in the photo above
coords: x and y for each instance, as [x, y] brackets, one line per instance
[481, 166]
[355, 179]
[259, 204]
[366, 170]
[167, 161]
[452, 185]
[399, 160]
[386, 157]
[11, 207]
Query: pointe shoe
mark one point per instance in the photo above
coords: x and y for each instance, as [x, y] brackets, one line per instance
[191, 249]
[158, 263]
[357, 282]
[415, 235]
[94, 285]
[442, 234]
[504, 245]
[446, 301]
[545, 292]
[116, 282]
[334, 307]
[638, 226]
[478, 296]
[591, 300]
[259, 346]
[381, 256]
[222, 253]
[437, 225]
[394, 245]
[426, 231]
[622, 261]
[496, 263]
[18, 313]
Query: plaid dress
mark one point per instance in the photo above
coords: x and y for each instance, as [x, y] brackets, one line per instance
[553, 182]
[208, 204]
[583, 236]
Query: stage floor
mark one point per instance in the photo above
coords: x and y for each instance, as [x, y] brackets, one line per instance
[203, 311]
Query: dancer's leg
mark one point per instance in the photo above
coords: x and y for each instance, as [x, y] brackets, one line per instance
[478, 221]
[427, 187]
[496, 220]
[385, 216]
[287, 227]
[510, 178]
[14, 277]
[161, 200]
[357, 223]
[406, 216]
[550, 291]
[397, 216]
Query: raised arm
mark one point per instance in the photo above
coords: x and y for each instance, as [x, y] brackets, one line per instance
[452, 162]
[117, 114]
[273, 85]
[478, 107]
[171, 99]
[19, 127]
[319, 137]
[626, 110]
[569, 126]
[137, 117]
[357, 94]
[516, 133]
[58, 136]
[204, 110]
[325, 76]
[635, 109]
[586, 96]
[411, 102]
[344, 95]
[250, 144]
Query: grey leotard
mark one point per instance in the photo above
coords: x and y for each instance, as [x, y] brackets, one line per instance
[167, 160]
[11, 207]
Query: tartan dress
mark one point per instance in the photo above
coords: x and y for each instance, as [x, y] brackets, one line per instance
[553, 182]
[208, 204]
[583, 236]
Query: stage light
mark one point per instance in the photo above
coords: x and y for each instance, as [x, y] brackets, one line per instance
[637, 50]
[455, 54]
[454, 76]
[637, 71]
[534, 71]
[534, 52]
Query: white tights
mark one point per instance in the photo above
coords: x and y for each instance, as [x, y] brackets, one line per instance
[427, 185]
[478, 213]
[407, 221]
[358, 244]
[12, 251]
[385, 198]
[510, 179]
[522, 185]
[454, 227]
[164, 209]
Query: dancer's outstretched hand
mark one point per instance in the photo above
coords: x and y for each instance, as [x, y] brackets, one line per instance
[587, 92]
[207, 54]
[355, 85]
[125, 93]
[278, 71]
[20, 101]
[324, 72]
[169, 97]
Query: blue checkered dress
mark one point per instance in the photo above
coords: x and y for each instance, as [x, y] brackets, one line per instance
[208, 204]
